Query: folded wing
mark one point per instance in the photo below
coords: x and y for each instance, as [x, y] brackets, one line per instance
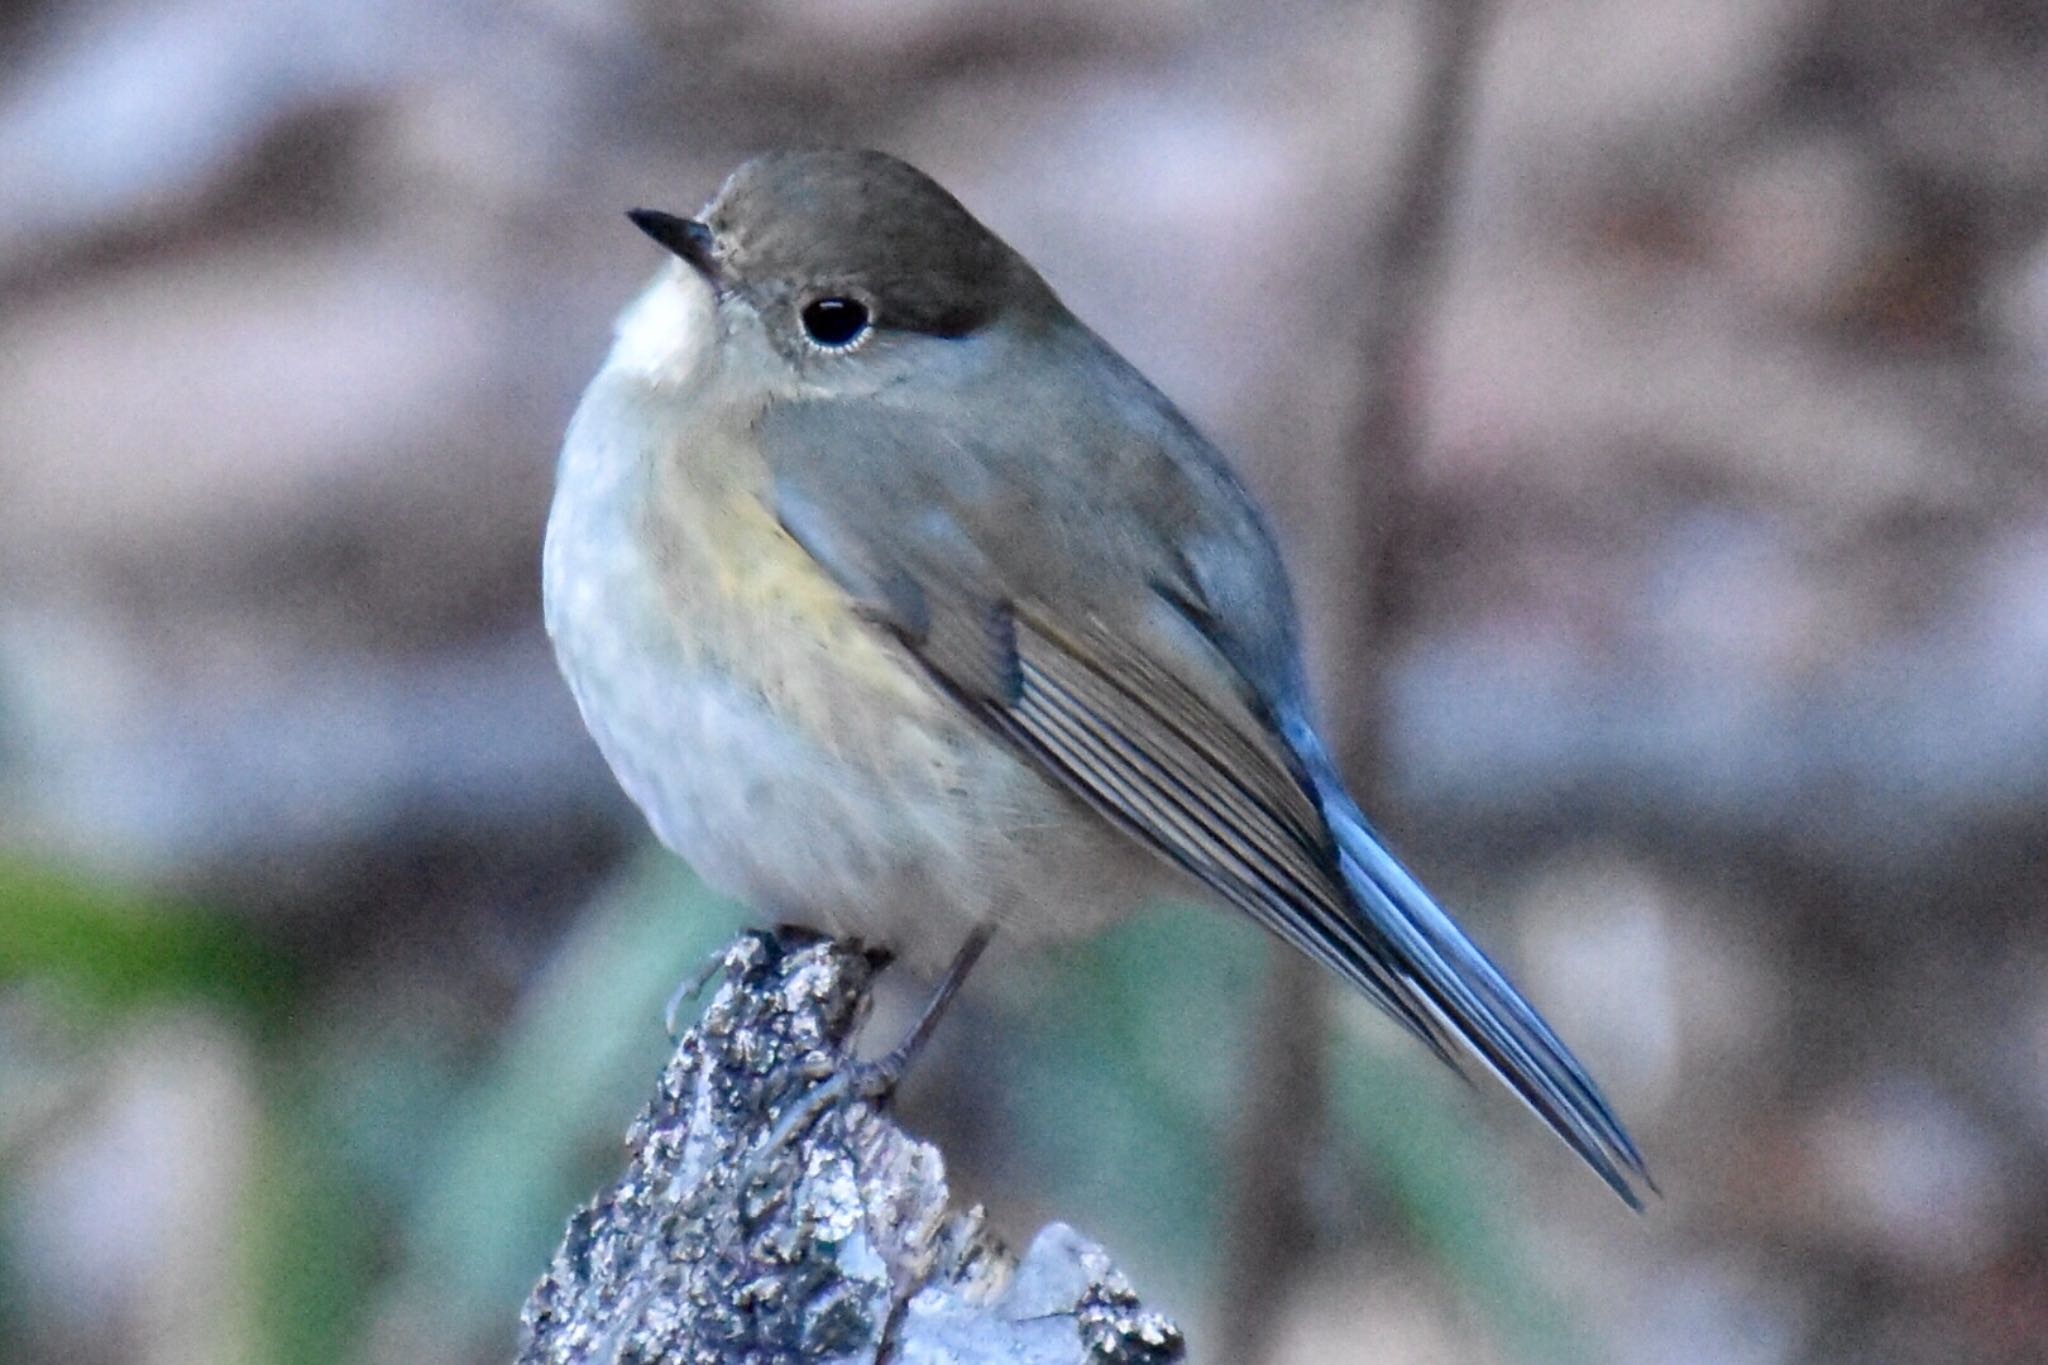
[1104, 663]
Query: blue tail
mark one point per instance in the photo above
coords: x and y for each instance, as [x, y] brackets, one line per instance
[1453, 983]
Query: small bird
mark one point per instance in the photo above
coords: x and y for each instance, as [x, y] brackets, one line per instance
[904, 607]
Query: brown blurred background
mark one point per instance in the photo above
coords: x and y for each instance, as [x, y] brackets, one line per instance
[331, 961]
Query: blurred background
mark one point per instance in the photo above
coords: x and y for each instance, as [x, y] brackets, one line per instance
[1703, 346]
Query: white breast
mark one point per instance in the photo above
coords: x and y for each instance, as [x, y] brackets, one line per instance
[663, 335]
[906, 838]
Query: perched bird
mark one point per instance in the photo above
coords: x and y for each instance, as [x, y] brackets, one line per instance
[906, 608]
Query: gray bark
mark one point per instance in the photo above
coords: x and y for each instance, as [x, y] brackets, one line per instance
[838, 1242]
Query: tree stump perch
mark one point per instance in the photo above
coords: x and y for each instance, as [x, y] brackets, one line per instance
[839, 1245]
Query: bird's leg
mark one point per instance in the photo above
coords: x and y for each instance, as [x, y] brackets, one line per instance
[877, 1079]
[889, 1068]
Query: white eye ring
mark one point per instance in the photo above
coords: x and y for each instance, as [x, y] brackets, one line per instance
[836, 322]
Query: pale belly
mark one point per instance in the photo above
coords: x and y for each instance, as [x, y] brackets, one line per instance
[953, 833]
[792, 756]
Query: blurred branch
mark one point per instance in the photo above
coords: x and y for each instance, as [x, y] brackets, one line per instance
[1402, 267]
[838, 1243]
[1279, 1127]
[1285, 1089]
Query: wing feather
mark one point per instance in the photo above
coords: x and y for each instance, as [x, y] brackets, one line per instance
[1109, 738]
[1168, 701]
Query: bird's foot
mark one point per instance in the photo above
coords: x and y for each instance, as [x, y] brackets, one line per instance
[787, 938]
[856, 1081]
[688, 989]
[874, 1082]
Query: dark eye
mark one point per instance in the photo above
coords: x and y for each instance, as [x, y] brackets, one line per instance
[835, 323]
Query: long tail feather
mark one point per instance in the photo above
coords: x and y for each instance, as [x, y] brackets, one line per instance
[1444, 975]
[1478, 1005]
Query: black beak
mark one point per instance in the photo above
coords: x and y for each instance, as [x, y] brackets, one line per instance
[686, 237]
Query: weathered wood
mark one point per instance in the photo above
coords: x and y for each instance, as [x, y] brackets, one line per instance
[840, 1243]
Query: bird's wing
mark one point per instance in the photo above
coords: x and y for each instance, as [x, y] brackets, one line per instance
[1090, 643]
[913, 522]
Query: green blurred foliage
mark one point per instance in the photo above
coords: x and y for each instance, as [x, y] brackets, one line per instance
[395, 1175]
[111, 949]
[409, 1185]
[1147, 1045]
[1415, 1128]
